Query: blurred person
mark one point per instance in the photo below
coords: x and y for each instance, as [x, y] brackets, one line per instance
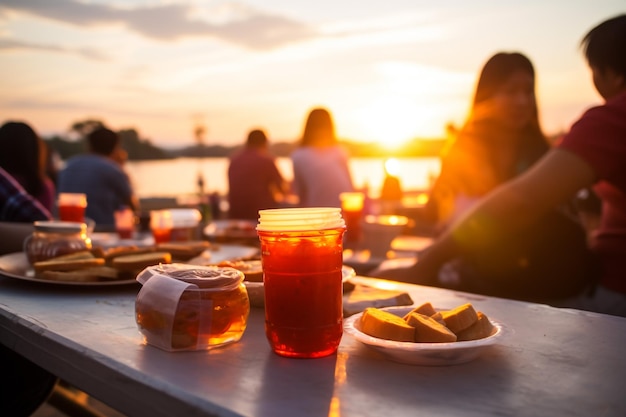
[98, 174]
[391, 191]
[320, 164]
[24, 155]
[500, 139]
[254, 181]
[27, 385]
[592, 153]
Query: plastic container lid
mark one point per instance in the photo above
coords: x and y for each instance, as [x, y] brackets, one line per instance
[185, 217]
[56, 226]
[300, 219]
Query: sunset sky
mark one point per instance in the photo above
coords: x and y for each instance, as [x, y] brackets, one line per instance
[388, 70]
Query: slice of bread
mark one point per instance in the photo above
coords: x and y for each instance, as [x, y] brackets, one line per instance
[460, 318]
[67, 265]
[81, 275]
[184, 250]
[428, 330]
[426, 309]
[385, 325]
[116, 251]
[480, 329]
[140, 261]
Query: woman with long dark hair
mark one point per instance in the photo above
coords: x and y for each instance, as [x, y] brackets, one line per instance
[500, 139]
[23, 154]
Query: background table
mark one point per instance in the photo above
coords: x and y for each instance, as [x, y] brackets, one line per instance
[552, 363]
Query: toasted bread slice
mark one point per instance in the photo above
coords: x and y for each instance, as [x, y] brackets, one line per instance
[184, 250]
[480, 329]
[386, 325]
[93, 274]
[428, 330]
[460, 318]
[116, 251]
[141, 261]
[67, 265]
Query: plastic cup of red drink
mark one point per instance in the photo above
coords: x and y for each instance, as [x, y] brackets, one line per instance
[72, 207]
[302, 257]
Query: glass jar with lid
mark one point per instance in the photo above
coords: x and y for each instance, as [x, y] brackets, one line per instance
[55, 238]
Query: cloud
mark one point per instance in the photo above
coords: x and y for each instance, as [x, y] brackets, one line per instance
[13, 44]
[245, 27]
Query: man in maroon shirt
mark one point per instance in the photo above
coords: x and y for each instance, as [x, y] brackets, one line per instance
[254, 182]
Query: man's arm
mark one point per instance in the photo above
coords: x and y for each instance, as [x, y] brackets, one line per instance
[509, 208]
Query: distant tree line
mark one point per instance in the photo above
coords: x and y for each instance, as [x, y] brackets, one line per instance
[143, 149]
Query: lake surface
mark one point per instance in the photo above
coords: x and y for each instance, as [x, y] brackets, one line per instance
[178, 177]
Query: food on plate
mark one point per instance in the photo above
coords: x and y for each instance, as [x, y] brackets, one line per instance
[426, 309]
[82, 275]
[140, 261]
[252, 269]
[111, 253]
[385, 325]
[480, 329]
[54, 264]
[429, 330]
[362, 296]
[421, 328]
[184, 250]
[460, 318]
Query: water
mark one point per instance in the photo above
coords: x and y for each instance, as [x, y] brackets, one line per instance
[178, 177]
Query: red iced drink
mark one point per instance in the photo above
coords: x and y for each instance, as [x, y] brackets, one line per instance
[303, 291]
[72, 207]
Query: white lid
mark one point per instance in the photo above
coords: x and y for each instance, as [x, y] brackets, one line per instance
[185, 217]
[300, 219]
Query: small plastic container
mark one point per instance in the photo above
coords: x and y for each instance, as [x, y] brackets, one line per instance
[185, 224]
[187, 307]
[55, 238]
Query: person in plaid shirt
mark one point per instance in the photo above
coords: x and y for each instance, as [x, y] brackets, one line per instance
[16, 205]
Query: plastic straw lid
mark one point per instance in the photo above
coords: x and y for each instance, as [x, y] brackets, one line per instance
[300, 219]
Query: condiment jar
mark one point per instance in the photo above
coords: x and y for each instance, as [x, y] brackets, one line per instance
[55, 238]
[190, 307]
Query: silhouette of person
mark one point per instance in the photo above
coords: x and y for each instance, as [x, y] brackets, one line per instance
[500, 139]
[592, 153]
[320, 164]
[254, 181]
[23, 154]
[99, 175]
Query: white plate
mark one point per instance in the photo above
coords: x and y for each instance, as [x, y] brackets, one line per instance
[429, 354]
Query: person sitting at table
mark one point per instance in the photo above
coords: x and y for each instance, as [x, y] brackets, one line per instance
[27, 385]
[591, 153]
[98, 175]
[23, 154]
[320, 164]
[501, 138]
[254, 181]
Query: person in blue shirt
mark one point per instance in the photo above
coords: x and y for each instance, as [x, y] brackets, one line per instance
[100, 177]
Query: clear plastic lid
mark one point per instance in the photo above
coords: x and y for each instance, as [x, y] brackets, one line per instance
[300, 219]
[57, 226]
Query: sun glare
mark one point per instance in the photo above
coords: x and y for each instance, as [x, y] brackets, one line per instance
[388, 121]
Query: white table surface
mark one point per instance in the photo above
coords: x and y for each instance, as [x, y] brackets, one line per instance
[552, 363]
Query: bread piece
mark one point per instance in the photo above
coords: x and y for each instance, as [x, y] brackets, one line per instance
[140, 261]
[81, 275]
[480, 329]
[83, 254]
[116, 251]
[386, 325]
[438, 318]
[428, 330]
[363, 296]
[460, 318]
[184, 250]
[67, 265]
[426, 309]
[252, 269]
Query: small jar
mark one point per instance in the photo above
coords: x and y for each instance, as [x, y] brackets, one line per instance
[55, 238]
[189, 307]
